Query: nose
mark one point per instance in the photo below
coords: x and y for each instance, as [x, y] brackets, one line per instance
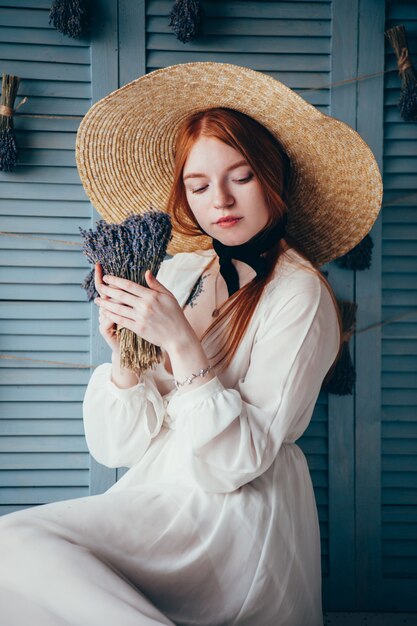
[222, 198]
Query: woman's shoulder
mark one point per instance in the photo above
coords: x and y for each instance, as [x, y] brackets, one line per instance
[292, 268]
[296, 277]
[182, 263]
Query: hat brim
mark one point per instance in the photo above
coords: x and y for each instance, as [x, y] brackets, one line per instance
[125, 153]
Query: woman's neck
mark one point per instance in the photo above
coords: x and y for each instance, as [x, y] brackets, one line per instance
[245, 272]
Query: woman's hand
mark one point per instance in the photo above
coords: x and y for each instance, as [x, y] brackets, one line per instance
[107, 327]
[152, 313]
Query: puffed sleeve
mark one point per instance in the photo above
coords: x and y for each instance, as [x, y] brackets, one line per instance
[119, 424]
[228, 437]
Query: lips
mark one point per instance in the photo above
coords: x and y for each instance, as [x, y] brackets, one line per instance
[228, 219]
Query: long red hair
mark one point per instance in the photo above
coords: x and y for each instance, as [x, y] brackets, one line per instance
[253, 141]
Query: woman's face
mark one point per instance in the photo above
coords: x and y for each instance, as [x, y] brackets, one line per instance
[220, 183]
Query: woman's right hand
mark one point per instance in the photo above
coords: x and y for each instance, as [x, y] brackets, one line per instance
[107, 328]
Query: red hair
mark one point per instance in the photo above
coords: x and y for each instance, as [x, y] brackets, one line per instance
[253, 141]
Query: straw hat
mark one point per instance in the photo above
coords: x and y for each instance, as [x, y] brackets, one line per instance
[125, 147]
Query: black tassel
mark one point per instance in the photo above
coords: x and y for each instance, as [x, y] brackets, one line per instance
[408, 99]
[89, 285]
[341, 379]
[186, 19]
[359, 258]
[71, 17]
[8, 145]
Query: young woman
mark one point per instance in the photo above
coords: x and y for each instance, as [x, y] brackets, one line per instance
[215, 523]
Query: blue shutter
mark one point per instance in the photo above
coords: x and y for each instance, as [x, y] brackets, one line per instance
[361, 448]
[44, 313]
[399, 338]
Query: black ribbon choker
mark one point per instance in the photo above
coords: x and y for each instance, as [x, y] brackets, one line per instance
[248, 252]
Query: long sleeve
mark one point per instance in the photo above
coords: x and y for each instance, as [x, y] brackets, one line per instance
[228, 437]
[119, 424]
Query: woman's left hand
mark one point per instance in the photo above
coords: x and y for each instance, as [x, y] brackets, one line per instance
[152, 313]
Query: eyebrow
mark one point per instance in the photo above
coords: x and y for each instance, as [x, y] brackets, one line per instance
[228, 169]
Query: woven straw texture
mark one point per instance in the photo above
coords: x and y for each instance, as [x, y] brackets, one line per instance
[125, 146]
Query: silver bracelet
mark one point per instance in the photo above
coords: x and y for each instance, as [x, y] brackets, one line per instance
[190, 379]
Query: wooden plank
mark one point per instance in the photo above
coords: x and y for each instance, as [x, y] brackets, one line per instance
[340, 587]
[251, 44]
[40, 495]
[36, 393]
[42, 427]
[40, 276]
[39, 191]
[241, 26]
[39, 175]
[253, 9]
[45, 141]
[50, 36]
[41, 410]
[59, 71]
[48, 293]
[399, 464]
[44, 478]
[43, 444]
[44, 208]
[44, 259]
[45, 377]
[47, 54]
[46, 311]
[15, 359]
[45, 460]
[105, 79]
[132, 39]
[261, 62]
[67, 328]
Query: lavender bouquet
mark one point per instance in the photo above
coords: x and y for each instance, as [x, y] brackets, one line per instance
[127, 250]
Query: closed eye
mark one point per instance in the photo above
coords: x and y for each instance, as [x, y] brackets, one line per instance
[240, 180]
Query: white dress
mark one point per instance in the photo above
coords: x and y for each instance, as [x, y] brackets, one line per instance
[215, 523]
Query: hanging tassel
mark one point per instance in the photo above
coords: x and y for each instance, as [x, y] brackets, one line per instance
[341, 379]
[186, 19]
[408, 99]
[8, 145]
[89, 285]
[71, 17]
[359, 258]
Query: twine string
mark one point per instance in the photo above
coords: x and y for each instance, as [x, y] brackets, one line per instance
[328, 86]
[346, 337]
[6, 111]
[404, 61]
[9, 111]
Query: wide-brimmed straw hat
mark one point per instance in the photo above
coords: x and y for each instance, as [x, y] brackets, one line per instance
[125, 153]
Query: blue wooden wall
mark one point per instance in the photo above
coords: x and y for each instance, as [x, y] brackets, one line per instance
[361, 449]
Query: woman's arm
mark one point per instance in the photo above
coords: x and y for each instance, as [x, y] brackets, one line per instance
[120, 423]
[120, 376]
[122, 413]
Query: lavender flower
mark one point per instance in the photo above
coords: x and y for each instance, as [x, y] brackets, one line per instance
[127, 250]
